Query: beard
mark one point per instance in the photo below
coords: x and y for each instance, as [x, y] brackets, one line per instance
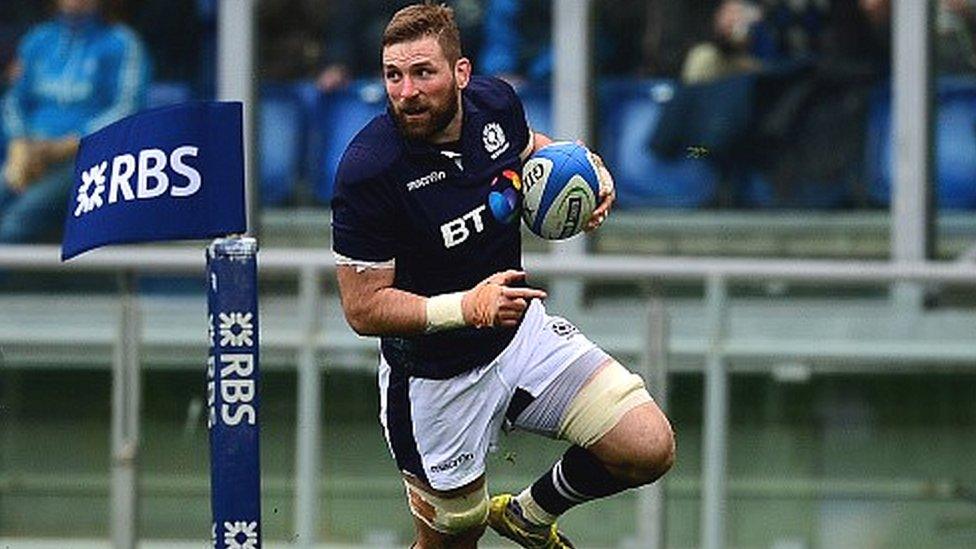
[437, 119]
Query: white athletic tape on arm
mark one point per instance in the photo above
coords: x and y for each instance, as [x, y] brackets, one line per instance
[444, 312]
[362, 265]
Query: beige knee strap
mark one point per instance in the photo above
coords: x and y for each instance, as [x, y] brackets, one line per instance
[449, 515]
[600, 403]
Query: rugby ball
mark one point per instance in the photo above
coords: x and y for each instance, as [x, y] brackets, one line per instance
[560, 190]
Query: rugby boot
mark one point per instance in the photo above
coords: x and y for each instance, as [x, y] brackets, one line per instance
[505, 518]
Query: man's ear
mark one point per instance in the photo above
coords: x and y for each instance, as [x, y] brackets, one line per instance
[462, 72]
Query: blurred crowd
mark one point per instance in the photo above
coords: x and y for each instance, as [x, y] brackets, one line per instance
[334, 42]
[69, 66]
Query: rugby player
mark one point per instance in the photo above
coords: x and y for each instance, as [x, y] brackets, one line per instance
[466, 345]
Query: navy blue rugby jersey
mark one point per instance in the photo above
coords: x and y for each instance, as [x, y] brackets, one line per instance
[429, 210]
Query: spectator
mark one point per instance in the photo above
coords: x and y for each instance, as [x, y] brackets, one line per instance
[78, 73]
[748, 36]
[798, 115]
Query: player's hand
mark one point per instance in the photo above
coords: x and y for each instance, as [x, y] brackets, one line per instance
[494, 303]
[608, 194]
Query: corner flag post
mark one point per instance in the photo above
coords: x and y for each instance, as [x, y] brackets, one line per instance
[232, 393]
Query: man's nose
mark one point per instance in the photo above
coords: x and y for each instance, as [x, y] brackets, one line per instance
[407, 88]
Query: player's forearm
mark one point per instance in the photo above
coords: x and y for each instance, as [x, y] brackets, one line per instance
[373, 307]
[387, 311]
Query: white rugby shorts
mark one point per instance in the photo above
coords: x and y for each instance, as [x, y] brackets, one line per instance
[441, 430]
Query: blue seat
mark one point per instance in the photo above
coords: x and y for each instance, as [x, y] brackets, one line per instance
[877, 165]
[338, 118]
[956, 149]
[955, 145]
[758, 192]
[629, 112]
[282, 141]
[162, 94]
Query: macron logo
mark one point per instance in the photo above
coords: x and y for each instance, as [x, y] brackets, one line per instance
[432, 177]
[151, 179]
[452, 463]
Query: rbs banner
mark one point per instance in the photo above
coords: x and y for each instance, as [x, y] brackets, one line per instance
[172, 173]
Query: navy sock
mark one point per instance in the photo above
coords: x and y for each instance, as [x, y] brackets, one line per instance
[576, 478]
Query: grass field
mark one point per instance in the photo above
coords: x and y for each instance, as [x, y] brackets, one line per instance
[835, 462]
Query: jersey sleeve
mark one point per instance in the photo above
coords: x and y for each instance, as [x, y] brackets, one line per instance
[363, 212]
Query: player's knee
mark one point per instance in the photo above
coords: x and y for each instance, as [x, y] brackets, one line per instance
[658, 455]
[615, 416]
[653, 456]
[451, 516]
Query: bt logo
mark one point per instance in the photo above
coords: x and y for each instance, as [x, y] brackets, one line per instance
[456, 231]
[148, 170]
[504, 203]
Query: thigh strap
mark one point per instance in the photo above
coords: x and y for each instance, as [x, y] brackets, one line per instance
[598, 406]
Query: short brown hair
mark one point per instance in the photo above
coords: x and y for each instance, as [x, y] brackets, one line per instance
[422, 20]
